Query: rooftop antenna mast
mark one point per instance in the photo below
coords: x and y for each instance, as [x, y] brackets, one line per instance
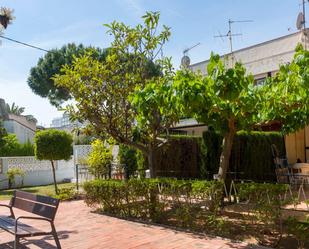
[230, 34]
[185, 60]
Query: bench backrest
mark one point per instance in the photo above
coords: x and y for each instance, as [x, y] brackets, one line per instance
[37, 204]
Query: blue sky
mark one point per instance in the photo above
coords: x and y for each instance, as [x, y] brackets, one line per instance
[52, 23]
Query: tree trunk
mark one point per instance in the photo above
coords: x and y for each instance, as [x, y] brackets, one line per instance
[151, 163]
[227, 145]
[54, 176]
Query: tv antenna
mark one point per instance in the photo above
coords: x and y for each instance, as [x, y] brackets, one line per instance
[230, 34]
[185, 60]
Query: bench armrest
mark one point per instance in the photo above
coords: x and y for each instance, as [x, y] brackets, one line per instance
[10, 207]
[5, 205]
[31, 218]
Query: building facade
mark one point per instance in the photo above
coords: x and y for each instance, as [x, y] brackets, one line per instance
[21, 126]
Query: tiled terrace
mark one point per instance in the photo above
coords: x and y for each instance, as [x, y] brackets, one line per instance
[80, 228]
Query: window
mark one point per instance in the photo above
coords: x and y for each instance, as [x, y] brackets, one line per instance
[260, 81]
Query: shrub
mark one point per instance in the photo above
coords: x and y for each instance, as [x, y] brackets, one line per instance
[299, 229]
[12, 147]
[156, 199]
[100, 159]
[127, 156]
[265, 201]
[68, 193]
[12, 173]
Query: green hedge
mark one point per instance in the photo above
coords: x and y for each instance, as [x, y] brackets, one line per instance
[11, 147]
[156, 199]
[189, 157]
[180, 158]
[252, 156]
[193, 157]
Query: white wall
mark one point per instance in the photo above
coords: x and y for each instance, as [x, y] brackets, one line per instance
[37, 172]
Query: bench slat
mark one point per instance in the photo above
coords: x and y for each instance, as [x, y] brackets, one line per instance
[8, 224]
[37, 198]
[35, 208]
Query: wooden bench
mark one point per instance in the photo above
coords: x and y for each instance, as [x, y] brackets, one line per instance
[43, 207]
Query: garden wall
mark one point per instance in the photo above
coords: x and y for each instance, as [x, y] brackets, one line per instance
[36, 172]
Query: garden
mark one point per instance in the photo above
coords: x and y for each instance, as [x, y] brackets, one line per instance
[223, 183]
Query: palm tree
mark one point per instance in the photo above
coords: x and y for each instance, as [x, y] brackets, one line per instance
[6, 17]
[31, 118]
[15, 109]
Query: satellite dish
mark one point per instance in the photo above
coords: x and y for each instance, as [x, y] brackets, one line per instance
[185, 61]
[300, 21]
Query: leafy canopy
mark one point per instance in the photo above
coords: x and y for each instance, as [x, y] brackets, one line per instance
[287, 94]
[102, 91]
[53, 145]
[40, 79]
[223, 94]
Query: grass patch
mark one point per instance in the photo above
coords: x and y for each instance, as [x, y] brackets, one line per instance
[40, 190]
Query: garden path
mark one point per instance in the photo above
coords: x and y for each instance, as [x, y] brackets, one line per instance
[81, 228]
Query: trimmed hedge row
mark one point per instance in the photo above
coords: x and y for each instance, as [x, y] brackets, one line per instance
[155, 199]
[193, 204]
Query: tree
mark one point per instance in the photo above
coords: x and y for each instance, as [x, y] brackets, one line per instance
[225, 99]
[15, 109]
[109, 95]
[53, 145]
[287, 94]
[6, 17]
[40, 79]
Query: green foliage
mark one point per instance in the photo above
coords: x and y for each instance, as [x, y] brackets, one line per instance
[12, 173]
[99, 159]
[180, 158]
[225, 99]
[111, 95]
[40, 78]
[142, 164]
[127, 156]
[194, 157]
[211, 147]
[299, 229]
[157, 199]
[65, 194]
[265, 200]
[11, 147]
[287, 95]
[223, 94]
[3, 134]
[53, 145]
[15, 109]
[251, 154]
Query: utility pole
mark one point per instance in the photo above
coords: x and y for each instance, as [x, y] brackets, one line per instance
[304, 14]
